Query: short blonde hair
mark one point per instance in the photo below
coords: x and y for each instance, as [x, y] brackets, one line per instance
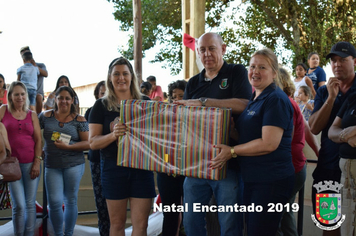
[272, 61]
[11, 106]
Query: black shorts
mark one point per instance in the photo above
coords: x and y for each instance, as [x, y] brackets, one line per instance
[122, 182]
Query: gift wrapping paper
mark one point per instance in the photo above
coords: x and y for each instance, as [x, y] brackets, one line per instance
[172, 138]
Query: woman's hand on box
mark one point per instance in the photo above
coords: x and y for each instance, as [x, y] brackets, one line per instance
[220, 160]
[119, 129]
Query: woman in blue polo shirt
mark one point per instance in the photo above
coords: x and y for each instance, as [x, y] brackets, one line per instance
[264, 146]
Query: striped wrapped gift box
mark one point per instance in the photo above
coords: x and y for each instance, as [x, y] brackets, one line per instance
[172, 138]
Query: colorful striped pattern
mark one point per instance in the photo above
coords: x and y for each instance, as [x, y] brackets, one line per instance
[172, 138]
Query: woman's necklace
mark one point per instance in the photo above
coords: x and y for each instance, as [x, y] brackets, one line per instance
[19, 115]
[60, 123]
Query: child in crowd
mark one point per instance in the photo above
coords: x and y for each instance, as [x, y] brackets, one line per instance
[28, 74]
[306, 105]
[157, 94]
[302, 80]
[165, 97]
[171, 187]
[146, 88]
[315, 72]
[176, 90]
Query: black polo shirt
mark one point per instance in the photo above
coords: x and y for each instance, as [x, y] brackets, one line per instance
[329, 151]
[231, 82]
[348, 115]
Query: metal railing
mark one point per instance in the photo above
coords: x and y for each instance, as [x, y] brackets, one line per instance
[44, 215]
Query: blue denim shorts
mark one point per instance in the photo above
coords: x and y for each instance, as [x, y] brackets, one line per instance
[122, 182]
[32, 93]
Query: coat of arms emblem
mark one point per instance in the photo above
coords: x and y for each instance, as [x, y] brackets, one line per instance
[224, 84]
[328, 206]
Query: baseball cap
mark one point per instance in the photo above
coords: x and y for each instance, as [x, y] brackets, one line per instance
[342, 49]
[25, 48]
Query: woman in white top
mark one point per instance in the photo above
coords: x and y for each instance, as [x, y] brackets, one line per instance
[302, 80]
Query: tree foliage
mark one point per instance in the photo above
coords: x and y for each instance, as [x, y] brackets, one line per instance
[297, 26]
[302, 26]
[162, 25]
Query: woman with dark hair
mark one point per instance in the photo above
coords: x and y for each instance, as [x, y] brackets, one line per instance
[3, 91]
[94, 158]
[99, 90]
[121, 185]
[315, 72]
[62, 81]
[24, 135]
[66, 137]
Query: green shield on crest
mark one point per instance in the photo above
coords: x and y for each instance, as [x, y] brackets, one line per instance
[328, 207]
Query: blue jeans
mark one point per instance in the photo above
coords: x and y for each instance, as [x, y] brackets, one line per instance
[227, 192]
[23, 195]
[32, 93]
[288, 223]
[62, 185]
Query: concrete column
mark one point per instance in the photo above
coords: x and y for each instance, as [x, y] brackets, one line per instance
[193, 22]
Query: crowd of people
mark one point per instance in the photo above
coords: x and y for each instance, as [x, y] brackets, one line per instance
[272, 117]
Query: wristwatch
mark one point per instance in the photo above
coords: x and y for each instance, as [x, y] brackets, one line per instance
[233, 154]
[203, 101]
[39, 157]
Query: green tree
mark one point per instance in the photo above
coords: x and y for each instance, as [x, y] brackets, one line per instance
[161, 25]
[295, 26]
[302, 26]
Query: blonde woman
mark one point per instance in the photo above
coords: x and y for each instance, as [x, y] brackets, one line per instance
[121, 185]
[24, 135]
[264, 148]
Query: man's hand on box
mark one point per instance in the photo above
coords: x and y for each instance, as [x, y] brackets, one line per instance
[190, 102]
